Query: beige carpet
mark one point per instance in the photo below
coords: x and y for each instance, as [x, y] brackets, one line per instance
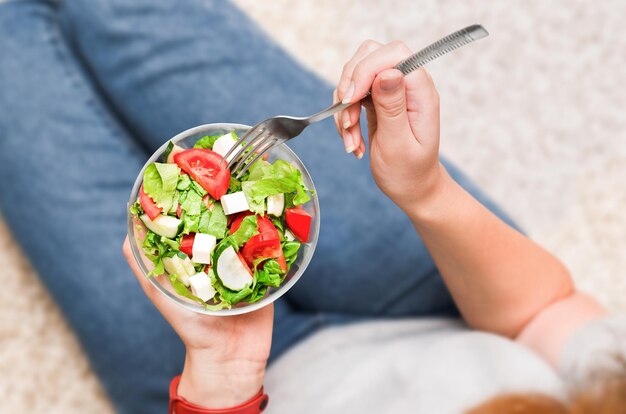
[535, 114]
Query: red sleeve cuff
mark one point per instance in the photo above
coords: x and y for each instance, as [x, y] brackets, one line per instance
[179, 405]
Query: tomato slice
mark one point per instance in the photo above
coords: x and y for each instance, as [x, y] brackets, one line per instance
[148, 205]
[264, 245]
[179, 211]
[299, 222]
[282, 262]
[206, 168]
[207, 202]
[238, 219]
[265, 225]
[186, 244]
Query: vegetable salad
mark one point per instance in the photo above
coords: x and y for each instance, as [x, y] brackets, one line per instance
[221, 240]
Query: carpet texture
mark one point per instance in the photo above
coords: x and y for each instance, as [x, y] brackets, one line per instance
[535, 114]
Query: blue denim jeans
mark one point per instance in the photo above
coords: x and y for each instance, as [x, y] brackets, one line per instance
[89, 88]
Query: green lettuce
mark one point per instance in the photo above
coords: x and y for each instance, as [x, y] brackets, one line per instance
[234, 185]
[267, 179]
[136, 209]
[247, 229]
[192, 203]
[217, 222]
[155, 248]
[190, 223]
[159, 182]
[182, 290]
[205, 218]
[268, 278]
[290, 250]
[206, 141]
[257, 294]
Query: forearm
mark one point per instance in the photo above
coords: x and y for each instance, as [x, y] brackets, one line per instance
[499, 278]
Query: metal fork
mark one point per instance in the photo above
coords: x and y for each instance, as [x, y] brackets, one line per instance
[279, 129]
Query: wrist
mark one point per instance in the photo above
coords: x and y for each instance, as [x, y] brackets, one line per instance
[428, 205]
[218, 384]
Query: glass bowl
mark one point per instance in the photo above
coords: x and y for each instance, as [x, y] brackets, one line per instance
[187, 139]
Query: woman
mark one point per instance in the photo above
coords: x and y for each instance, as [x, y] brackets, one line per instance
[93, 87]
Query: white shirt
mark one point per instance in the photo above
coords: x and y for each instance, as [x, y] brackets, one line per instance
[427, 366]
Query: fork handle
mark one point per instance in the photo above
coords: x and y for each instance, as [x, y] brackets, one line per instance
[439, 48]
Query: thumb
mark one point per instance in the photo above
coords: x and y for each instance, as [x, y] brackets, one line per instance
[389, 99]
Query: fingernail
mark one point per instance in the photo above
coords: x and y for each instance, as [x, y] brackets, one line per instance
[346, 120]
[356, 141]
[349, 93]
[390, 82]
[347, 141]
[358, 154]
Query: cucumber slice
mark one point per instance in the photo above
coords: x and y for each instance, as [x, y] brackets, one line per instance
[231, 270]
[175, 150]
[189, 269]
[176, 266]
[165, 226]
[276, 204]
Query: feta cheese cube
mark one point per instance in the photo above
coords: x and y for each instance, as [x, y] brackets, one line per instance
[201, 286]
[276, 204]
[203, 245]
[223, 144]
[234, 203]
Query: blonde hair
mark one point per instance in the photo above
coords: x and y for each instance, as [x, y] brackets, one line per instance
[607, 398]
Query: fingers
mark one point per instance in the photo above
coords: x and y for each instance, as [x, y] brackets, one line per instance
[365, 71]
[349, 117]
[346, 137]
[422, 100]
[171, 311]
[356, 79]
[364, 50]
[357, 140]
[132, 263]
[390, 106]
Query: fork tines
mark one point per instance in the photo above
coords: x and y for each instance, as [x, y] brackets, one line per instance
[248, 149]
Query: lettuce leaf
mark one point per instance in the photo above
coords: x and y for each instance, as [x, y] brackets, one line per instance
[159, 182]
[136, 209]
[155, 248]
[290, 250]
[205, 218]
[182, 290]
[267, 278]
[267, 179]
[257, 294]
[206, 141]
[191, 223]
[247, 229]
[217, 222]
[192, 203]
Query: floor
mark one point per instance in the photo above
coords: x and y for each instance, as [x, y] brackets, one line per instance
[534, 113]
